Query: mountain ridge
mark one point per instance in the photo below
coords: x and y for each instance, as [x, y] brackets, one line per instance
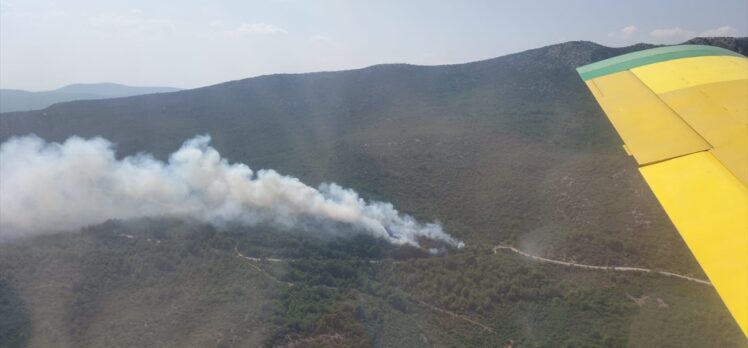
[22, 100]
[113, 89]
[561, 50]
[736, 44]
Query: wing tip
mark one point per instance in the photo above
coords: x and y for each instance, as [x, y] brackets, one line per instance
[649, 56]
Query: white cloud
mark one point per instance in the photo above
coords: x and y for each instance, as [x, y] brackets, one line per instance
[247, 29]
[672, 33]
[320, 38]
[725, 30]
[678, 33]
[624, 33]
[132, 23]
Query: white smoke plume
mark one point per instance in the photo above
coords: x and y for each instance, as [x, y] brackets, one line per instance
[49, 187]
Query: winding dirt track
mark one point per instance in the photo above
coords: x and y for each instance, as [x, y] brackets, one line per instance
[427, 305]
[454, 315]
[496, 248]
[259, 269]
[599, 268]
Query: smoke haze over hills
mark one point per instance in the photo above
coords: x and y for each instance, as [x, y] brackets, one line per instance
[50, 187]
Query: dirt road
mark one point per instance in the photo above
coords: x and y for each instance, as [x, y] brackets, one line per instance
[599, 268]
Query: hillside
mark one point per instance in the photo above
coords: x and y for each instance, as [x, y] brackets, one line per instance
[506, 151]
[19, 100]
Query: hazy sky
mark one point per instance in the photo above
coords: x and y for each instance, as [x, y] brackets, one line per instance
[46, 44]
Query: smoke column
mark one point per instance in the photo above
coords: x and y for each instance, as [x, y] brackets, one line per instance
[51, 187]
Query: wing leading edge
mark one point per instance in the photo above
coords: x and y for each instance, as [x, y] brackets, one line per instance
[682, 112]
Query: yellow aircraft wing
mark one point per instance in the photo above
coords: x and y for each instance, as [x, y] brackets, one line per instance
[682, 112]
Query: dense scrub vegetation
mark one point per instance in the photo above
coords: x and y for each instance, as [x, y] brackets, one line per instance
[156, 281]
[15, 327]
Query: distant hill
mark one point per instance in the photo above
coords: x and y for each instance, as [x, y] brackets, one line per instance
[20, 100]
[735, 44]
[512, 150]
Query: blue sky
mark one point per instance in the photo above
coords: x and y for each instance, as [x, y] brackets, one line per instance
[46, 44]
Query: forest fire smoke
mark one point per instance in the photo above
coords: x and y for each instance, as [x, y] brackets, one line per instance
[49, 187]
